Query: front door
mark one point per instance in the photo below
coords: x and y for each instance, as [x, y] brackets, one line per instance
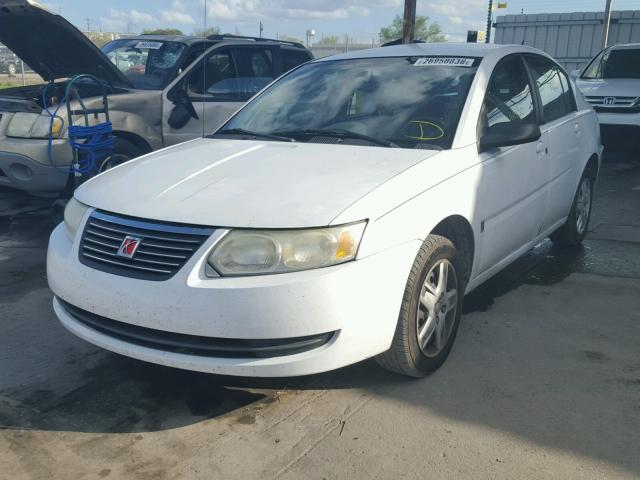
[214, 88]
[510, 202]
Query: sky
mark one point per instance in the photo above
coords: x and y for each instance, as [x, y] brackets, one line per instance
[360, 19]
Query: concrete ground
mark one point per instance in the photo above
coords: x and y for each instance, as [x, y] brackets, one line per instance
[543, 382]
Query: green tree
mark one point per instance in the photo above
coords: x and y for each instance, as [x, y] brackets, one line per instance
[163, 31]
[425, 30]
[205, 33]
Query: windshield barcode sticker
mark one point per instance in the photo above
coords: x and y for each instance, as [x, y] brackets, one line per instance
[149, 45]
[447, 61]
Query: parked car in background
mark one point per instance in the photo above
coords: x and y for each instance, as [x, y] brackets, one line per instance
[162, 90]
[9, 63]
[611, 83]
[341, 214]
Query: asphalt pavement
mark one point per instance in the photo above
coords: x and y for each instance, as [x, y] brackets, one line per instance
[543, 382]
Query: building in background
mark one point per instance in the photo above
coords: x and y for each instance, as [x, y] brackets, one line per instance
[571, 38]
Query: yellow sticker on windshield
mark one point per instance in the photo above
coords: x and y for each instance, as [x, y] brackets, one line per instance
[422, 125]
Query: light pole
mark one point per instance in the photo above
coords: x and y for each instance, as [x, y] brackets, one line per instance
[409, 21]
[606, 22]
[310, 33]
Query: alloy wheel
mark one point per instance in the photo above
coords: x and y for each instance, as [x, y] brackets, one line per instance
[437, 307]
[583, 205]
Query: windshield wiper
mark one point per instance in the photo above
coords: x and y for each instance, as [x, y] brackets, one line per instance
[343, 134]
[248, 133]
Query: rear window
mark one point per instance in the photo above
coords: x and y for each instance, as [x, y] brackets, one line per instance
[292, 58]
[615, 63]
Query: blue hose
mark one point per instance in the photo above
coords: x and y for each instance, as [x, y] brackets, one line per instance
[97, 144]
[52, 115]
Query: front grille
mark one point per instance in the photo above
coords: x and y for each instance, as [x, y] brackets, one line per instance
[163, 250]
[195, 344]
[618, 104]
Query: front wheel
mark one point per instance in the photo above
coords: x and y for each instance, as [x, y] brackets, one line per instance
[123, 151]
[430, 311]
[572, 233]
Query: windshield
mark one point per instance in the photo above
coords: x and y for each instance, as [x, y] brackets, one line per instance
[149, 65]
[617, 63]
[408, 102]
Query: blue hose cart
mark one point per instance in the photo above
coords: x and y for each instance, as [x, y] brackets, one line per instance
[91, 145]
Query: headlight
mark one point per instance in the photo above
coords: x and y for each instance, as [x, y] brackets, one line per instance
[34, 125]
[73, 215]
[259, 252]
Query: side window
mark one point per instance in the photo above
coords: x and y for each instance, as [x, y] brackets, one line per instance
[217, 78]
[292, 58]
[546, 76]
[569, 99]
[508, 97]
[255, 70]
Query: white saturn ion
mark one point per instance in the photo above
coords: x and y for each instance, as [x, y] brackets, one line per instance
[341, 214]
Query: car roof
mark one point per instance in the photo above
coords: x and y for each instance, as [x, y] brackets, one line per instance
[186, 39]
[625, 46]
[437, 49]
[213, 39]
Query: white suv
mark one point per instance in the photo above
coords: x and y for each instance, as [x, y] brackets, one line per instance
[611, 83]
[342, 214]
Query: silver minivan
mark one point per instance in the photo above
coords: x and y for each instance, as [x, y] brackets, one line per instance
[162, 90]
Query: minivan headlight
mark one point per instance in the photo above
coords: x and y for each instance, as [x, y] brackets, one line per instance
[73, 215]
[260, 252]
[34, 125]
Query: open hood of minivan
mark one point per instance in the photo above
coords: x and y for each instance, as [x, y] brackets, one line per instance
[50, 45]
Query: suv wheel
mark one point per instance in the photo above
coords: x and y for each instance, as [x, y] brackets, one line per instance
[123, 151]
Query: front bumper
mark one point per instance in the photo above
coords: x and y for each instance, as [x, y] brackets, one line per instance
[357, 302]
[23, 173]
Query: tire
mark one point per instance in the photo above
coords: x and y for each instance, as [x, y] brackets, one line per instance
[572, 233]
[123, 151]
[419, 311]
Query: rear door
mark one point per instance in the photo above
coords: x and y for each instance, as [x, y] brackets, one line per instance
[215, 86]
[561, 131]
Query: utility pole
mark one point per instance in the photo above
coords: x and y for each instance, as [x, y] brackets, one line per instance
[606, 22]
[487, 37]
[261, 29]
[409, 21]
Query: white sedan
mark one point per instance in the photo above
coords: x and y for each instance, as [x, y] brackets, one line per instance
[340, 215]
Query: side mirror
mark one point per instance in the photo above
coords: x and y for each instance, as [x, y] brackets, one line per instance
[182, 111]
[574, 74]
[507, 134]
[179, 117]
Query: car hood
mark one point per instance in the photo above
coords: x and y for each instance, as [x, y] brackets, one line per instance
[241, 183]
[50, 45]
[609, 87]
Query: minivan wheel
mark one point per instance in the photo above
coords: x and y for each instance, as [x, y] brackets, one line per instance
[572, 233]
[430, 312]
[123, 151]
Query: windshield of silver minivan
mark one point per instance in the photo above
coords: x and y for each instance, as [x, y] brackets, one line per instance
[148, 64]
[407, 102]
[614, 63]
